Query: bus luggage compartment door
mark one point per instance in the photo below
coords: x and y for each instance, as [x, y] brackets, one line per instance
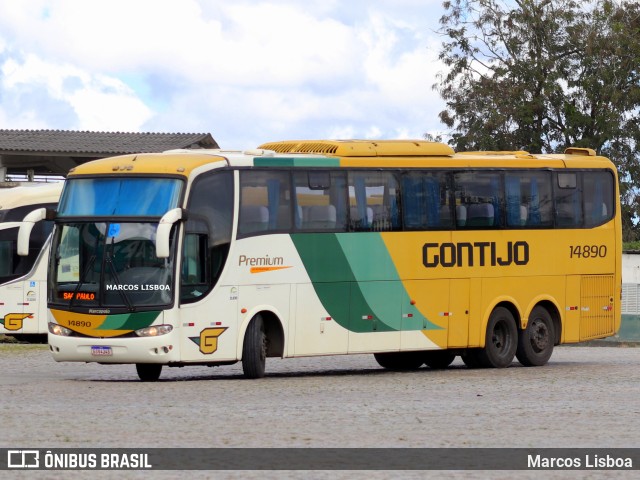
[597, 313]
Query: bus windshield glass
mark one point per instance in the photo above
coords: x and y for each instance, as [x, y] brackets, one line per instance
[121, 196]
[8, 259]
[109, 264]
[13, 266]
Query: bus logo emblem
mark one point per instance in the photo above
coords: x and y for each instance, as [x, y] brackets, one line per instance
[208, 339]
[13, 321]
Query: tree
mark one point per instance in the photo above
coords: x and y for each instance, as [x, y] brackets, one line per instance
[543, 75]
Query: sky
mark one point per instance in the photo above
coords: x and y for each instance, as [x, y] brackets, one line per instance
[247, 72]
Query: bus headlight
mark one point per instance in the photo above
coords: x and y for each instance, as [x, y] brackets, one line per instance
[154, 331]
[57, 329]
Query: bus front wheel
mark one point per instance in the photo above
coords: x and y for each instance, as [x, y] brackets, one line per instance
[254, 349]
[501, 341]
[149, 372]
[438, 359]
[535, 343]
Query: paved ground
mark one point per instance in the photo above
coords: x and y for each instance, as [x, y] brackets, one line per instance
[585, 397]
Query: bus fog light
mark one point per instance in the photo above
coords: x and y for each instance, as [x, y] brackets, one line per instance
[154, 331]
[57, 329]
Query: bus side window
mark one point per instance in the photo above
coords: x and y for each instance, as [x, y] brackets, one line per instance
[481, 195]
[373, 201]
[320, 201]
[265, 202]
[568, 199]
[517, 211]
[425, 200]
[528, 199]
[598, 195]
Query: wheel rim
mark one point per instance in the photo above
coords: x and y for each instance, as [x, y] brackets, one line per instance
[539, 336]
[500, 338]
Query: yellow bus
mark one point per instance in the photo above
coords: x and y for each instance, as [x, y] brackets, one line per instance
[402, 249]
[23, 280]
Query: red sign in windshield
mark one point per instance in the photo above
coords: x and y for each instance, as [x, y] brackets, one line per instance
[87, 296]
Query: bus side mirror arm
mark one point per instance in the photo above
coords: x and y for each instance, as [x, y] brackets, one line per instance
[24, 233]
[164, 231]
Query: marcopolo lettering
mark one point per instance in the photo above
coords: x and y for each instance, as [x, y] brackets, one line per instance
[479, 254]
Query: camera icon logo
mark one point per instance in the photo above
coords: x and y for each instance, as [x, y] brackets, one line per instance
[23, 459]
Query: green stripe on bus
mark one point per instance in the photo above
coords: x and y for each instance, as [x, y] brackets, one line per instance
[357, 282]
[129, 321]
[295, 162]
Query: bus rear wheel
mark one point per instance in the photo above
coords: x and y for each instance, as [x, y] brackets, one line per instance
[535, 343]
[149, 372]
[501, 340]
[400, 360]
[254, 349]
[438, 359]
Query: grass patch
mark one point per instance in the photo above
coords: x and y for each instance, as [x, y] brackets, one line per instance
[630, 246]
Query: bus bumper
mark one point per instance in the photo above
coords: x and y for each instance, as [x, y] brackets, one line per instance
[162, 349]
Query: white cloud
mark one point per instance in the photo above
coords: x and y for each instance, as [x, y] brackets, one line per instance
[246, 71]
[99, 102]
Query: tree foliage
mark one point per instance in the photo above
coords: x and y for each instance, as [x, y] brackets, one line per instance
[543, 75]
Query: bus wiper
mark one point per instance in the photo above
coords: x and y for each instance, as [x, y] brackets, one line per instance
[114, 272]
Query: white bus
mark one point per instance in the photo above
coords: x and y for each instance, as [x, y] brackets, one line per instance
[23, 280]
[401, 249]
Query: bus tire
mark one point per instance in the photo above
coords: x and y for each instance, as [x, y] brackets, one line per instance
[501, 340]
[149, 372]
[470, 358]
[254, 349]
[438, 359]
[535, 343]
[400, 360]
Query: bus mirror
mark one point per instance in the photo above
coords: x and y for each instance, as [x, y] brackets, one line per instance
[164, 231]
[24, 234]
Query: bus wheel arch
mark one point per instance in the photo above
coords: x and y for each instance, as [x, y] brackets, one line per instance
[556, 318]
[275, 334]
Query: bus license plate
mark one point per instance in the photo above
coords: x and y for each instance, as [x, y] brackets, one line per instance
[100, 351]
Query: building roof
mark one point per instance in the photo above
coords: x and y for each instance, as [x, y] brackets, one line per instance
[97, 143]
[55, 152]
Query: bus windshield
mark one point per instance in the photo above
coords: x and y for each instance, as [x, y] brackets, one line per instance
[10, 267]
[128, 196]
[109, 264]
[13, 266]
